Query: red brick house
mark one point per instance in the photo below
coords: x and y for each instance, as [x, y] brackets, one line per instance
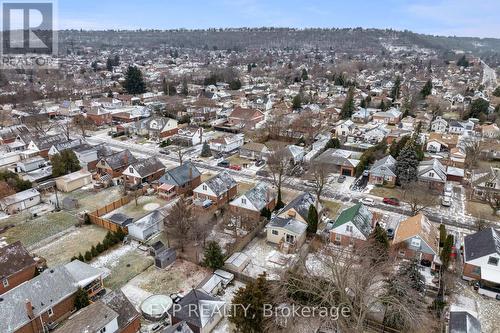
[144, 171]
[115, 164]
[251, 203]
[184, 178]
[247, 118]
[16, 266]
[99, 116]
[219, 189]
[416, 238]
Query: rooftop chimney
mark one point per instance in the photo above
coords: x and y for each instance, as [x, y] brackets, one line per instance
[29, 309]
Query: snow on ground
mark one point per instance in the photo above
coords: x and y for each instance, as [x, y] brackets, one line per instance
[488, 308]
[266, 258]
[135, 294]
[110, 259]
[221, 238]
[224, 326]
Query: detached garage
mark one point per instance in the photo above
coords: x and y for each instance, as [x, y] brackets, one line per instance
[73, 181]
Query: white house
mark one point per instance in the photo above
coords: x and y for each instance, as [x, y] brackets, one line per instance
[439, 125]
[147, 226]
[20, 201]
[345, 128]
[227, 143]
[459, 127]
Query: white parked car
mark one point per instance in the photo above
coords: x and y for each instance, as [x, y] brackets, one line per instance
[367, 201]
[448, 190]
[446, 201]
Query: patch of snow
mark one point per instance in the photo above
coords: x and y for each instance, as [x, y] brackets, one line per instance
[110, 259]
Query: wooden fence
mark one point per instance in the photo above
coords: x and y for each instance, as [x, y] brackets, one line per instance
[95, 216]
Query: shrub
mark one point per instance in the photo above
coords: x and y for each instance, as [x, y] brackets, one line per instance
[88, 256]
[93, 251]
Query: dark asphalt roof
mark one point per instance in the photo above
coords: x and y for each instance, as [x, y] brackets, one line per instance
[180, 175]
[14, 258]
[463, 322]
[482, 243]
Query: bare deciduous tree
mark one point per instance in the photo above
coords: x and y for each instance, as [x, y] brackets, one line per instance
[82, 123]
[418, 197]
[180, 222]
[279, 165]
[472, 147]
[319, 176]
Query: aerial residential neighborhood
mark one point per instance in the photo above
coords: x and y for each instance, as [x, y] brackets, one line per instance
[352, 173]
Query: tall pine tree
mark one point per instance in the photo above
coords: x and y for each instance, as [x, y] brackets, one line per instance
[407, 164]
[348, 106]
[213, 256]
[312, 220]
[396, 89]
[134, 82]
[427, 89]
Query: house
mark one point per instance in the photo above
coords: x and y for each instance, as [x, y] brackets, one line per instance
[362, 115]
[253, 201]
[432, 173]
[208, 314]
[180, 327]
[345, 128]
[481, 255]
[184, 178]
[460, 127]
[486, 184]
[441, 142]
[340, 161]
[490, 131]
[99, 116]
[94, 318]
[115, 163]
[73, 181]
[295, 153]
[129, 320]
[219, 190]
[144, 171]
[439, 125]
[190, 135]
[416, 238]
[227, 143]
[57, 148]
[38, 304]
[391, 116]
[20, 201]
[352, 227]
[376, 134]
[42, 144]
[156, 128]
[383, 172]
[407, 123]
[147, 226]
[254, 151]
[16, 266]
[288, 228]
[87, 277]
[245, 118]
[31, 164]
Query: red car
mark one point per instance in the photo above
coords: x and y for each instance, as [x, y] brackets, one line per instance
[391, 201]
[235, 167]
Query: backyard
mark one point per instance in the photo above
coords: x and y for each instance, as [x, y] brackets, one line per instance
[145, 204]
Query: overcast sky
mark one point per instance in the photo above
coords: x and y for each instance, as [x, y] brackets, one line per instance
[478, 18]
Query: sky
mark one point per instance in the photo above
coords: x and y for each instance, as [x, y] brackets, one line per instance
[475, 18]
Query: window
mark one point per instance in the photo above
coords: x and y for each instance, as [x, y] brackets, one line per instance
[5, 283]
[102, 330]
[131, 170]
[338, 237]
[431, 174]
[204, 187]
[348, 228]
[50, 312]
[275, 232]
[415, 242]
[244, 201]
[476, 270]
[493, 261]
[401, 253]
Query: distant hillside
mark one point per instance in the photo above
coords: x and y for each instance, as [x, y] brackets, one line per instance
[342, 40]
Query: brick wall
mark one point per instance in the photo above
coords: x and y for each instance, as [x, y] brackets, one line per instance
[60, 312]
[16, 279]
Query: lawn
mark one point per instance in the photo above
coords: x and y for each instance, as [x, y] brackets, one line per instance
[124, 264]
[481, 210]
[145, 204]
[30, 232]
[90, 200]
[236, 160]
[80, 240]
[243, 187]
[332, 206]
[206, 176]
[385, 192]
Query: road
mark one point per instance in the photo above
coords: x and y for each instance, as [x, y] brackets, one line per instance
[453, 216]
[489, 76]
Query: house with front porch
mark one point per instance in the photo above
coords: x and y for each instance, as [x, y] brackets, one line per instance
[383, 172]
[144, 171]
[184, 178]
[481, 259]
[219, 189]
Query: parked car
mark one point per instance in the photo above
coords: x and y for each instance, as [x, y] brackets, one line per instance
[366, 173]
[367, 201]
[448, 190]
[235, 167]
[391, 201]
[262, 173]
[341, 179]
[446, 201]
[260, 163]
[164, 152]
[224, 164]
[390, 233]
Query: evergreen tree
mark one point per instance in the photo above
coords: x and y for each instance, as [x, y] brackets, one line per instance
[478, 107]
[134, 82]
[332, 143]
[348, 106]
[363, 103]
[213, 256]
[64, 162]
[304, 75]
[205, 150]
[427, 89]
[446, 251]
[407, 164]
[109, 65]
[81, 299]
[312, 220]
[265, 212]
[87, 256]
[297, 102]
[380, 242]
[99, 248]
[235, 84]
[411, 270]
[93, 251]
[279, 202]
[249, 68]
[396, 89]
[382, 106]
[442, 235]
[168, 88]
[80, 257]
[185, 90]
[496, 93]
[463, 62]
[254, 296]
[397, 146]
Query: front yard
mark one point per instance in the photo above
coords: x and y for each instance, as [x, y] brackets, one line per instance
[481, 210]
[385, 192]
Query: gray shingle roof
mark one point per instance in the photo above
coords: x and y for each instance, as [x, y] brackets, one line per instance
[482, 243]
[44, 291]
[117, 301]
[259, 195]
[120, 159]
[148, 166]
[89, 319]
[384, 167]
[463, 322]
[301, 204]
[180, 175]
[14, 258]
[202, 302]
[290, 224]
[221, 183]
